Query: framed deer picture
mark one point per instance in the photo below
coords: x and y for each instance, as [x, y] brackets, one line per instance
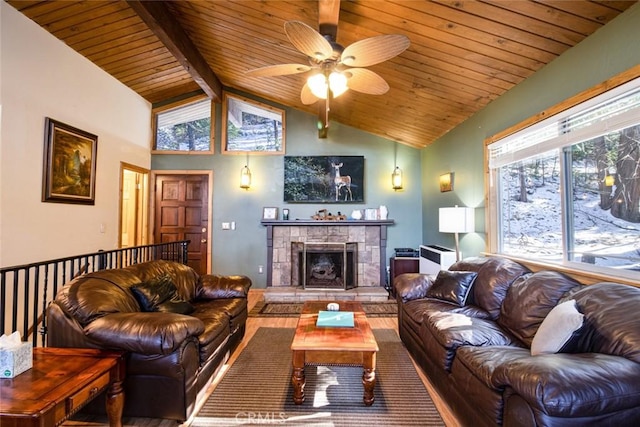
[324, 179]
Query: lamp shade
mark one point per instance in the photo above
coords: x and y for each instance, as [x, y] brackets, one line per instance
[396, 178]
[245, 178]
[456, 220]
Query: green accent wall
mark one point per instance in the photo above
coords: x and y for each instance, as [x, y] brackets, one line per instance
[608, 52]
[242, 250]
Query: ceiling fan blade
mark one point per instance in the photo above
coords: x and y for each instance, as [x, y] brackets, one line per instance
[365, 81]
[306, 96]
[374, 50]
[278, 70]
[307, 40]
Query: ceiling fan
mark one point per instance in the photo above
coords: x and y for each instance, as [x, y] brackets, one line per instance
[334, 69]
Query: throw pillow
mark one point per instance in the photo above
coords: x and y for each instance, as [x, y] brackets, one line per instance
[452, 286]
[154, 292]
[557, 331]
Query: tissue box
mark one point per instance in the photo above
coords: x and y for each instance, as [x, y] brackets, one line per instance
[15, 360]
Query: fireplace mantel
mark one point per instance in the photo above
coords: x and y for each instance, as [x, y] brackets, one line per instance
[312, 222]
[376, 260]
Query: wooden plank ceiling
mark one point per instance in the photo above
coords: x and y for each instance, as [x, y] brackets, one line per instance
[463, 54]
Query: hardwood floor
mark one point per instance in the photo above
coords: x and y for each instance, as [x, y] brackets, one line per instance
[253, 323]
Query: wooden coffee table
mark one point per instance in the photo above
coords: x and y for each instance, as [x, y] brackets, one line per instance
[333, 346]
[61, 381]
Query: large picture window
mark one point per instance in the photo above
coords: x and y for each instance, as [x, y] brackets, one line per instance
[567, 190]
[185, 128]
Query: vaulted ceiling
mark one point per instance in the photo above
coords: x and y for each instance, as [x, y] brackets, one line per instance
[463, 54]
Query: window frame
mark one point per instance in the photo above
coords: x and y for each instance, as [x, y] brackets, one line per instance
[174, 106]
[492, 198]
[224, 149]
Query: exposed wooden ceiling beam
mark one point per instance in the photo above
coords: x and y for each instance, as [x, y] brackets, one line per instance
[161, 22]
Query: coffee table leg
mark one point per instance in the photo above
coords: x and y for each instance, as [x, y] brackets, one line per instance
[115, 403]
[298, 379]
[369, 377]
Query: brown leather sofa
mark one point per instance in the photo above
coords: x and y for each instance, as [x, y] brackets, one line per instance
[177, 328]
[473, 330]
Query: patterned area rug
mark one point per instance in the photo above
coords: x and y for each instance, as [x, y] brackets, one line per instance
[277, 309]
[257, 389]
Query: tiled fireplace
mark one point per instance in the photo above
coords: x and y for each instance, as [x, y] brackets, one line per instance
[286, 243]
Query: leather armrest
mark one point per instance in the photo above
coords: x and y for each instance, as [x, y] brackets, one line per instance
[144, 333]
[212, 286]
[410, 286]
[573, 385]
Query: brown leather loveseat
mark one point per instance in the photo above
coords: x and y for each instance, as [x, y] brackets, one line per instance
[177, 328]
[505, 346]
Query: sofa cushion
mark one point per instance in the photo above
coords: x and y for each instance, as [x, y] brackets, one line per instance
[612, 325]
[530, 299]
[481, 362]
[558, 330]
[452, 286]
[96, 294]
[495, 275]
[453, 330]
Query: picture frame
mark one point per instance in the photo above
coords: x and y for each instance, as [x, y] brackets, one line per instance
[69, 171]
[250, 126]
[446, 182]
[324, 179]
[269, 213]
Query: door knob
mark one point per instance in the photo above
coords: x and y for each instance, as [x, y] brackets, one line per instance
[203, 241]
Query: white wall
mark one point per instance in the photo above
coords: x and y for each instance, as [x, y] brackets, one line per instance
[42, 77]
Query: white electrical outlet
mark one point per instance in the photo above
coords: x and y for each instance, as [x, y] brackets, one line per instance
[226, 226]
[260, 269]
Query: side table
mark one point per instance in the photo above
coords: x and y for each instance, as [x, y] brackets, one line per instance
[61, 381]
[401, 265]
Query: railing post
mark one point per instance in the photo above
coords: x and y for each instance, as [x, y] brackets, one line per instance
[184, 253]
[102, 260]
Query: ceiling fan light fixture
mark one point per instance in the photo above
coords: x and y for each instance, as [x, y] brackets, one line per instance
[318, 84]
[338, 83]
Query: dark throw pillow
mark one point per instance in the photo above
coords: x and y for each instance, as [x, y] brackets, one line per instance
[452, 286]
[160, 295]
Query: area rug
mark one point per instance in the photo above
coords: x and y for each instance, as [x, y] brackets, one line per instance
[257, 389]
[278, 309]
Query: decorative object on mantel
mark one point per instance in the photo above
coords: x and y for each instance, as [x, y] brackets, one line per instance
[446, 182]
[356, 214]
[324, 179]
[383, 212]
[269, 213]
[323, 215]
[285, 214]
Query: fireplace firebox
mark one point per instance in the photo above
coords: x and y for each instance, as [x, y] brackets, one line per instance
[322, 265]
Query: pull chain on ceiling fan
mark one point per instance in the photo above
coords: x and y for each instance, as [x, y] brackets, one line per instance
[333, 68]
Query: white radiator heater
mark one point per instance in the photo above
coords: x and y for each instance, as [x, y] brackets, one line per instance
[435, 258]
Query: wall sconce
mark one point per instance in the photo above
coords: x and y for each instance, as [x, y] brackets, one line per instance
[396, 179]
[456, 220]
[245, 177]
[446, 182]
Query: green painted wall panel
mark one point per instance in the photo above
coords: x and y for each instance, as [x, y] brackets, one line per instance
[241, 251]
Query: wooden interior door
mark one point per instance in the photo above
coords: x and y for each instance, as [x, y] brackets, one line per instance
[181, 209]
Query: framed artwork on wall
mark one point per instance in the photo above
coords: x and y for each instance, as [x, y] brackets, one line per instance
[69, 174]
[250, 126]
[324, 179]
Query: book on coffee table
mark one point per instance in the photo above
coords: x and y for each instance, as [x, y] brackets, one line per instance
[339, 319]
